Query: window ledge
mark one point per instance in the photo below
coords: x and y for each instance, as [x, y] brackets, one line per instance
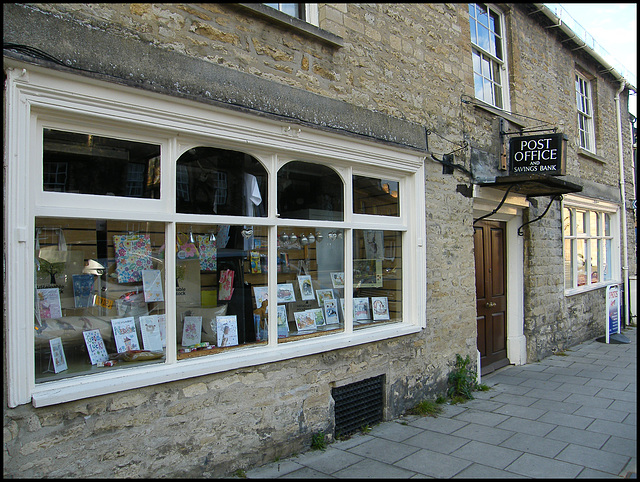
[590, 155]
[585, 289]
[499, 112]
[77, 388]
[294, 23]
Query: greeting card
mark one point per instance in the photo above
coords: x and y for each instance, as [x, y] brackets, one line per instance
[82, 290]
[191, 330]
[305, 321]
[208, 253]
[380, 308]
[225, 285]
[306, 287]
[331, 311]
[57, 355]
[49, 303]
[95, 346]
[150, 331]
[125, 334]
[283, 325]
[227, 330]
[152, 285]
[133, 254]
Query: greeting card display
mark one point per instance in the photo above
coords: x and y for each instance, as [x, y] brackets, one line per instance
[152, 285]
[227, 330]
[380, 308]
[95, 346]
[305, 321]
[150, 331]
[49, 303]
[331, 311]
[82, 290]
[124, 334]
[57, 355]
[133, 254]
[208, 251]
[191, 330]
[306, 287]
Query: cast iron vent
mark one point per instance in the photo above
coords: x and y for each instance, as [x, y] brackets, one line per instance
[357, 405]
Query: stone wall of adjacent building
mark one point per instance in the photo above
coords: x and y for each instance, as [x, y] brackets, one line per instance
[406, 61]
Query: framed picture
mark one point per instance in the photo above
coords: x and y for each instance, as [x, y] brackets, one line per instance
[57, 355]
[331, 311]
[337, 279]
[286, 293]
[306, 287]
[367, 273]
[261, 293]
[380, 308]
[324, 295]
[283, 325]
[305, 321]
[361, 309]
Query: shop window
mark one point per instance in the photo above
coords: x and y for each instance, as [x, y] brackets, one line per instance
[296, 10]
[179, 263]
[92, 164]
[222, 182]
[588, 244]
[487, 40]
[99, 296]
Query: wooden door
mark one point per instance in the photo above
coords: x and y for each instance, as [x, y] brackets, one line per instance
[491, 294]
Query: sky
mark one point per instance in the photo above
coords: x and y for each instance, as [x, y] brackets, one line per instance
[614, 27]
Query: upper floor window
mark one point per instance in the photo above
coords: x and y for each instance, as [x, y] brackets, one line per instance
[487, 37]
[296, 10]
[586, 138]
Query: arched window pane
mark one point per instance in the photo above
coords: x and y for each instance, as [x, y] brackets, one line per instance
[220, 181]
[310, 191]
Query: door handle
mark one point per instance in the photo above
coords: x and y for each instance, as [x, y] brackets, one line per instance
[490, 304]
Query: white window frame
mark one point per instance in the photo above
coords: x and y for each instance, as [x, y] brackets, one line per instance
[37, 98]
[310, 11]
[598, 206]
[584, 106]
[501, 64]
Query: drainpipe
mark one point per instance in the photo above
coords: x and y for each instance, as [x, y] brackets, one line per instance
[625, 267]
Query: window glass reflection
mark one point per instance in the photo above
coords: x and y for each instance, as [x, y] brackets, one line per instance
[220, 181]
[310, 191]
[90, 164]
[375, 196]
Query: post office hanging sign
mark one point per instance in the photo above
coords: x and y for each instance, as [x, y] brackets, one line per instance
[541, 154]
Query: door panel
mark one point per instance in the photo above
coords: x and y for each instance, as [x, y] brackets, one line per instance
[489, 249]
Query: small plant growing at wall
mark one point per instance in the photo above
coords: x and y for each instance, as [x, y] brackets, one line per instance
[462, 380]
[318, 441]
[426, 408]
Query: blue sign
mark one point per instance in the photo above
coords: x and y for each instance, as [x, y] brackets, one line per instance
[613, 310]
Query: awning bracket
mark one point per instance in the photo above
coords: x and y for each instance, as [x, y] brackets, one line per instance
[557, 196]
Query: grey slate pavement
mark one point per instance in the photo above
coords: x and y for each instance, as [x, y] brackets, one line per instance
[571, 415]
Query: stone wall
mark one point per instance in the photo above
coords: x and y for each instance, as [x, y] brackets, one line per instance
[406, 61]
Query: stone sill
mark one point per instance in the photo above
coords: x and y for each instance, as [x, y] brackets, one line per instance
[295, 24]
[590, 155]
[499, 112]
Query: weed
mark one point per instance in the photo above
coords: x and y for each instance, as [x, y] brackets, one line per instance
[318, 441]
[426, 407]
[441, 399]
[483, 388]
[365, 428]
[462, 380]
[240, 473]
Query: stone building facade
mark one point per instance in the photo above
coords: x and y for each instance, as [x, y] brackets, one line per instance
[393, 81]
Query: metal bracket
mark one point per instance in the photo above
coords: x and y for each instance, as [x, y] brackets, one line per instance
[557, 196]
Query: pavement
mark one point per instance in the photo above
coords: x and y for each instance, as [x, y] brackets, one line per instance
[571, 415]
